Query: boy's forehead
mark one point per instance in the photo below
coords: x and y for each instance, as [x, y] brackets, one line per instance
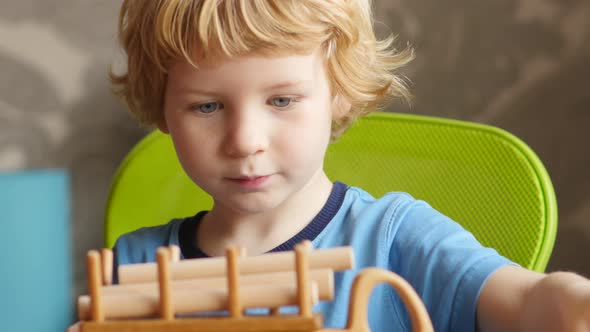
[218, 58]
[281, 65]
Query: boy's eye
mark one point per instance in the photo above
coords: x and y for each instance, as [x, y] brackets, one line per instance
[281, 102]
[207, 108]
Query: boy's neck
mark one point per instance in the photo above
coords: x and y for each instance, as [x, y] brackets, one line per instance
[261, 232]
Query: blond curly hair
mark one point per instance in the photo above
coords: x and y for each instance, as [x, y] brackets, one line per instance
[154, 33]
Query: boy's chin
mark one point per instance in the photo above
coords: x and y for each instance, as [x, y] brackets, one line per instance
[248, 206]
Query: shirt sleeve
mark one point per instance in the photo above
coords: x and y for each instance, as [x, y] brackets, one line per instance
[140, 246]
[444, 263]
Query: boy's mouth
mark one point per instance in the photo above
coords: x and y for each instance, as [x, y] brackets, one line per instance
[250, 182]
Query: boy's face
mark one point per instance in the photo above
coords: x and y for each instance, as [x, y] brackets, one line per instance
[252, 131]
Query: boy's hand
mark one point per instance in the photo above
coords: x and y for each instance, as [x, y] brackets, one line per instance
[558, 302]
[516, 299]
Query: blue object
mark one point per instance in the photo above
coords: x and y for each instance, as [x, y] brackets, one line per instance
[35, 251]
[444, 264]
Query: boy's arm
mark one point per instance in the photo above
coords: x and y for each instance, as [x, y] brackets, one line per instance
[516, 299]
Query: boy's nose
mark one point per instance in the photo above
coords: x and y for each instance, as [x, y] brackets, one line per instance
[245, 136]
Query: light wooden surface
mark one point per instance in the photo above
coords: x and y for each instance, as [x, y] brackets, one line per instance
[337, 259]
[247, 282]
[117, 306]
[281, 323]
[323, 277]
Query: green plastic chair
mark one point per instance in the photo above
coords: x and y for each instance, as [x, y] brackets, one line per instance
[481, 176]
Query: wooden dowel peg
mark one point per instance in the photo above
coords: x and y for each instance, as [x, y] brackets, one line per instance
[302, 269]
[233, 283]
[94, 281]
[163, 258]
[106, 260]
[174, 253]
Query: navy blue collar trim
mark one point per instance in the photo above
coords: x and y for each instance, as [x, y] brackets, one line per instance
[187, 233]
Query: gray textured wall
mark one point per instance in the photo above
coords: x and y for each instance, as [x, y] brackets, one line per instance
[521, 65]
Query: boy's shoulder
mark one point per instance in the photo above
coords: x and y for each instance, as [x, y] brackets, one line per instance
[360, 196]
[362, 214]
[396, 219]
[391, 206]
[140, 246]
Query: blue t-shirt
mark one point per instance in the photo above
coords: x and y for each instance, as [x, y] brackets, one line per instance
[444, 263]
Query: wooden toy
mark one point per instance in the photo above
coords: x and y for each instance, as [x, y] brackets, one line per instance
[170, 294]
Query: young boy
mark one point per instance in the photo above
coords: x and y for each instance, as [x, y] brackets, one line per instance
[251, 93]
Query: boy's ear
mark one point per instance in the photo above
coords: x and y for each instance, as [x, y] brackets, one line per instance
[340, 107]
[163, 126]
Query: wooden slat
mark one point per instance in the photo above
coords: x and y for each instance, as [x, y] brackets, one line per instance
[120, 306]
[284, 323]
[323, 277]
[337, 259]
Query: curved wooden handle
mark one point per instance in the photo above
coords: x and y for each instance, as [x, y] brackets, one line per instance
[362, 286]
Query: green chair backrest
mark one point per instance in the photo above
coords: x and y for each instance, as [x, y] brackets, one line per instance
[481, 176]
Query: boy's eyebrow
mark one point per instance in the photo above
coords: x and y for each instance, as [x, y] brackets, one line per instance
[287, 84]
[190, 90]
